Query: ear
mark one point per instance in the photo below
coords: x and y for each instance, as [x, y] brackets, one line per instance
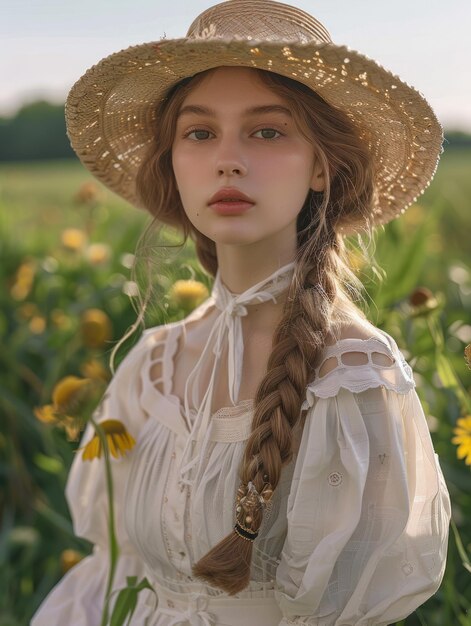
[317, 179]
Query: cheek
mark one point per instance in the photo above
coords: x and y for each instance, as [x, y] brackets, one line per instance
[289, 172]
[180, 180]
[186, 168]
[177, 164]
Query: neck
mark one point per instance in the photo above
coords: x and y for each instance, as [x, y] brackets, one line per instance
[241, 267]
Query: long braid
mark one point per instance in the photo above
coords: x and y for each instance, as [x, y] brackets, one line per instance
[297, 341]
[282, 390]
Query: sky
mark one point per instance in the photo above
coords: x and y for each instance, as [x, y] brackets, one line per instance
[46, 45]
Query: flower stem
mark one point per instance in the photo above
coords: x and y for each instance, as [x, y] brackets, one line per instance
[113, 544]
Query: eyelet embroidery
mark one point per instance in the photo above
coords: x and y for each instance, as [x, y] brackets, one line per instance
[407, 568]
[335, 479]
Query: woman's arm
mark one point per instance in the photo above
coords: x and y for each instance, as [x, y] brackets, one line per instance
[368, 513]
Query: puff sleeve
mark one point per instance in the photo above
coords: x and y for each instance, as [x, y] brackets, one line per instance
[368, 509]
[78, 597]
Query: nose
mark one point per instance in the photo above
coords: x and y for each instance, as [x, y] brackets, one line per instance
[230, 160]
[229, 169]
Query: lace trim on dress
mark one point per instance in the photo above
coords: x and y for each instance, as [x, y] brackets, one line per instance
[231, 424]
[368, 369]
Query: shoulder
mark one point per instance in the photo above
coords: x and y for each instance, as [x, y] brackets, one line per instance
[158, 344]
[162, 333]
[155, 335]
[352, 344]
[358, 357]
[131, 385]
[143, 347]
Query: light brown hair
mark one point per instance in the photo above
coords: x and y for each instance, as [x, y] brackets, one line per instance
[321, 295]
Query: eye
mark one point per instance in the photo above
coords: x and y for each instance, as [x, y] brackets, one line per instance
[198, 132]
[269, 130]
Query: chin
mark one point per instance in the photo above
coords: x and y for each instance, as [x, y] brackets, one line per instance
[227, 228]
[233, 237]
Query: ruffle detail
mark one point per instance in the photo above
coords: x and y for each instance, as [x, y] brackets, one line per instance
[397, 377]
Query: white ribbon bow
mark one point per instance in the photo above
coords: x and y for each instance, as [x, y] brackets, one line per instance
[227, 325]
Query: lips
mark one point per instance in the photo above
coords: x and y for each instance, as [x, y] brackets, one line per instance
[230, 194]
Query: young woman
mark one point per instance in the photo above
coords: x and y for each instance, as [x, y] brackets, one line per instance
[283, 471]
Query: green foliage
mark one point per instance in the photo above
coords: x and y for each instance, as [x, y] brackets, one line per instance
[37, 131]
[48, 284]
[126, 601]
[458, 139]
[46, 288]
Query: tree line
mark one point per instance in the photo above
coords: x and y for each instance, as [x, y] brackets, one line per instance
[37, 132]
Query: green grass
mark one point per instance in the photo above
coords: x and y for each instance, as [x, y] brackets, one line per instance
[37, 202]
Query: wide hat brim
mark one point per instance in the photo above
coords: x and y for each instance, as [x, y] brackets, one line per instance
[110, 111]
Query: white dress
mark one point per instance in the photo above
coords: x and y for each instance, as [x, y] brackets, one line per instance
[356, 534]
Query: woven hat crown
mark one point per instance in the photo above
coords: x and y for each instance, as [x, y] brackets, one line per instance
[259, 20]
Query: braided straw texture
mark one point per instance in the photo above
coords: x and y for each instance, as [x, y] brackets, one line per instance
[110, 110]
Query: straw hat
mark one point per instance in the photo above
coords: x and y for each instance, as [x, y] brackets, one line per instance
[110, 109]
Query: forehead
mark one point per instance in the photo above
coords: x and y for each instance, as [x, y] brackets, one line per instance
[232, 85]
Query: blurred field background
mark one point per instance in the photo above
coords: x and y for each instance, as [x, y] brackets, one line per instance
[66, 248]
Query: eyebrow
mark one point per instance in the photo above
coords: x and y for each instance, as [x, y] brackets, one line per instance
[257, 110]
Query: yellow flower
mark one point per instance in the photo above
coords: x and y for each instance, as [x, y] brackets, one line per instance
[69, 393]
[463, 439]
[73, 239]
[188, 294]
[95, 327]
[98, 253]
[95, 370]
[69, 558]
[118, 439]
[37, 325]
[72, 427]
[46, 414]
[23, 280]
[88, 193]
[69, 397]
